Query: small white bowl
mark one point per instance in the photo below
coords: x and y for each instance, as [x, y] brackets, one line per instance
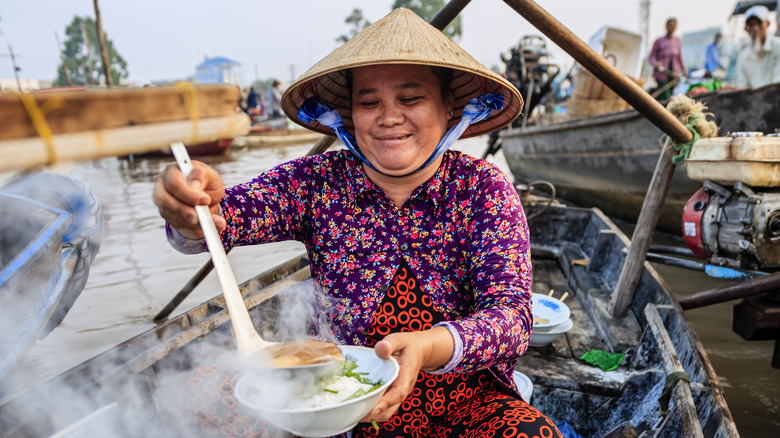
[524, 386]
[553, 310]
[323, 421]
[540, 338]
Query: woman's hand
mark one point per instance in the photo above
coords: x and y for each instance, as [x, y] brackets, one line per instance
[414, 351]
[176, 198]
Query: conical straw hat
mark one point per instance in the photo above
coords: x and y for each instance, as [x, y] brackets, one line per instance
[401, 37]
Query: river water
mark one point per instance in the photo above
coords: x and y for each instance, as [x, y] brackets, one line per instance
[136, 273]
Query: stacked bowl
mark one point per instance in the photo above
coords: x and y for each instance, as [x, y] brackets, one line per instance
[551, 319]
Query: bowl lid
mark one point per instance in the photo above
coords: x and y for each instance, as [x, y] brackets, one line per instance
[548, 311]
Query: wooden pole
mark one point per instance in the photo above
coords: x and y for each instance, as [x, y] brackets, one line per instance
[89, 54]
[64, 62]
[756, 286]
[448, 13]
[606, 72]
[16, 68]
[643, 232]
[102, 43]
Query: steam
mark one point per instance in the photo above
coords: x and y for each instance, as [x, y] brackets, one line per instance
[129, 394]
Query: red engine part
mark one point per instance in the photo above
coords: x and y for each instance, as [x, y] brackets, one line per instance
[691, 222]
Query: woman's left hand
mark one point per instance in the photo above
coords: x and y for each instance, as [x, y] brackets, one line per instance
[414, 351]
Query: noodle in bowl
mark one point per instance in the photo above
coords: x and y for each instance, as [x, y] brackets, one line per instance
[304, 408]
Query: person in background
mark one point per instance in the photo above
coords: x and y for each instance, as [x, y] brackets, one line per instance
[666, 59]
[252, 99]
[242, 99]
[252, 104]
[758, 63]
[777, 19]
[275, 100]
[418, 251]
[712, 61]
[261, 101]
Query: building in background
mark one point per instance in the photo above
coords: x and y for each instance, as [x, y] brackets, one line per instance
[218, 69]
[27, 84]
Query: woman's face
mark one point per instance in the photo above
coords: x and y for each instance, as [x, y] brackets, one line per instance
[671, 26]
[399, 115]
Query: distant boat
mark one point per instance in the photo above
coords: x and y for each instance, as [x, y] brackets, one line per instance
[216, 147]
[607, 161]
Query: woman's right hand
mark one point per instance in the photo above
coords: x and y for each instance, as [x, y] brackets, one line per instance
[176, 197]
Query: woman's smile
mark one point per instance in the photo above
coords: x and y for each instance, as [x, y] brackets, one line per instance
[399, 114]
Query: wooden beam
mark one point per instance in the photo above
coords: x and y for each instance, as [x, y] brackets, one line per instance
[744, 289]
[602, 69]
[86, 110]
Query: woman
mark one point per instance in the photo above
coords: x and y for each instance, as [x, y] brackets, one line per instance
[666, 59]
[419, 252]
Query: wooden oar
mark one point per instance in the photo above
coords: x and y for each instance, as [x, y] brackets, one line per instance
[645, 105]
[185, 291]
[605, 71]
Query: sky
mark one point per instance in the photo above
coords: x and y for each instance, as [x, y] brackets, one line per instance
[166, 39]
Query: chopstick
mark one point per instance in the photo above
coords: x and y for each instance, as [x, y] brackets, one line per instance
[562, 298]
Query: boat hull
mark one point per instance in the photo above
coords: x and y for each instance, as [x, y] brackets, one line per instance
[607, 161]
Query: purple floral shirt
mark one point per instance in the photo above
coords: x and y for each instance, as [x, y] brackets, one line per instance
[463, 234]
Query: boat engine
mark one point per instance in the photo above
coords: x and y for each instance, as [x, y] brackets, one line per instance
[735, 227]
[528, 68]
[734, 220]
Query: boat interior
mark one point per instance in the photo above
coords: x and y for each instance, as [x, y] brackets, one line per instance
[137, 386]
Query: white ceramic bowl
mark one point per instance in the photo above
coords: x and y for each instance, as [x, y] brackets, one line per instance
[553, 310]
[540, 338]
[324, 421]
[524, 386]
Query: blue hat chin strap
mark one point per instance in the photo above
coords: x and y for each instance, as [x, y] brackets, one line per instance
[476, 110]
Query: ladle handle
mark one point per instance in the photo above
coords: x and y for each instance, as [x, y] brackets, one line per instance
[246, 336]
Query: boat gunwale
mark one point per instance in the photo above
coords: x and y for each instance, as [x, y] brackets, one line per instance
[672, 307]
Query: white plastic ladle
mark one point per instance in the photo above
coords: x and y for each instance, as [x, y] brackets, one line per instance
[248, 340]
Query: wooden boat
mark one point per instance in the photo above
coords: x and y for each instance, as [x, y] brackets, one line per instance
[216, 147]
[44, 128]
[34, 275]
[607, 161]
[137, 386]
[278, 137]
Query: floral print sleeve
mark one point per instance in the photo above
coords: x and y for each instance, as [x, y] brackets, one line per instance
[269, 208]
[498, 330]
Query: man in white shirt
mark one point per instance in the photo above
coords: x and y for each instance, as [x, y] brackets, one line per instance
[759, 63]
